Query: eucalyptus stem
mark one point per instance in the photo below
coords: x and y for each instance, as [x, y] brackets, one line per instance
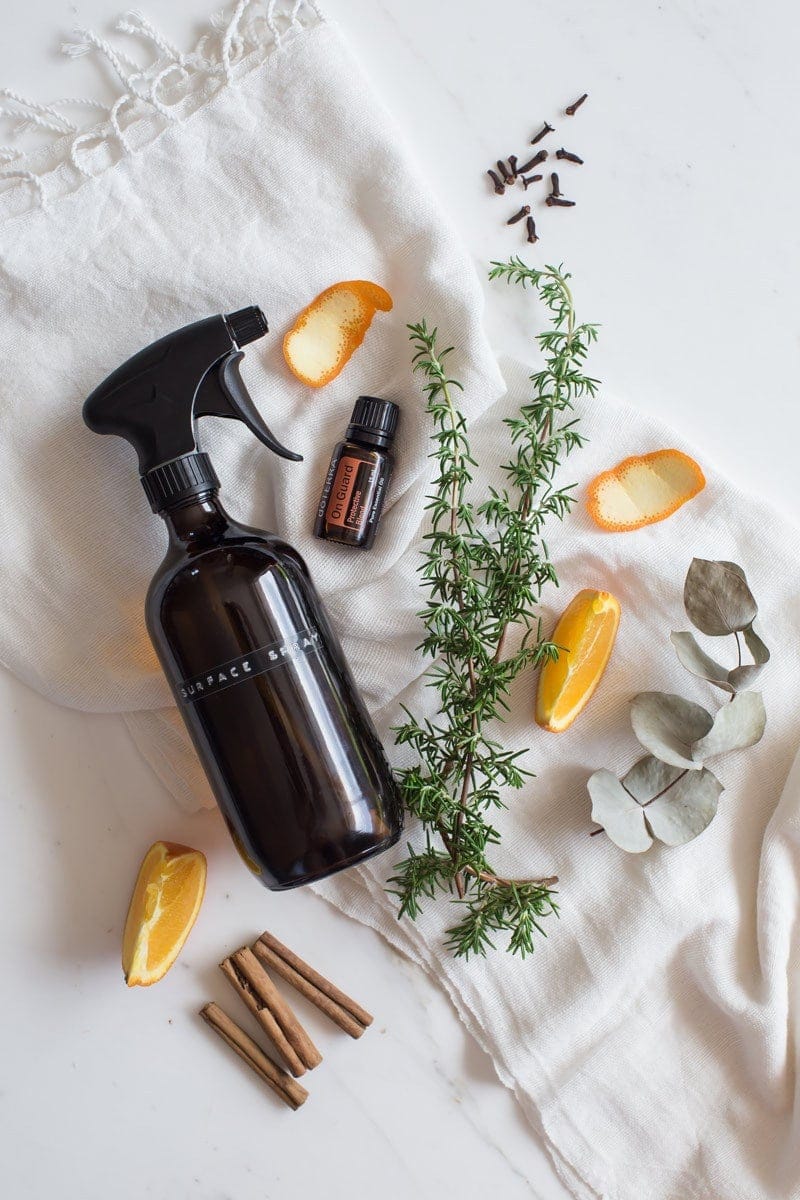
[484, 567]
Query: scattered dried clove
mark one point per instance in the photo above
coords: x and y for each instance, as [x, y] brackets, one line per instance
[568, 155]
[523, 212]
[509, 171]
[498, 183]
[571, 109]
[542, 133]
[533, 162]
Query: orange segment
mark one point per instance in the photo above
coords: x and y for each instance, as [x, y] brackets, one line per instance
[586, 634]
[331, 328]
[166, 900]
[642, 490]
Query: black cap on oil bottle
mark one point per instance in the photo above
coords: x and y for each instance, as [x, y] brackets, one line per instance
[373, 421]
[358, 475]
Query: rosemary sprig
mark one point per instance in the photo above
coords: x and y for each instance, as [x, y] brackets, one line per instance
[484, 568]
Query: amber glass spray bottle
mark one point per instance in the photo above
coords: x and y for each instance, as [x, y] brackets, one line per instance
[255, 667]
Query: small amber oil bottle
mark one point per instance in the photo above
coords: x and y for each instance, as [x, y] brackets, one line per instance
[357, 479]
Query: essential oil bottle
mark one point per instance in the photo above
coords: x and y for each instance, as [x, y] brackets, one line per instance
[358, 476]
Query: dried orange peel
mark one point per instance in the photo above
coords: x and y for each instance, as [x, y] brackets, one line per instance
[166, 900]
[585, 635]
[332, 327]
[644, 489]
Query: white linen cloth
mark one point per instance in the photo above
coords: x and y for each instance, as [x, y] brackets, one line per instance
[652, 1038]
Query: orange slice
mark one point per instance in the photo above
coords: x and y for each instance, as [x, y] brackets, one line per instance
[645, 489]
[327, 332]
[585, 634]
[166, 900]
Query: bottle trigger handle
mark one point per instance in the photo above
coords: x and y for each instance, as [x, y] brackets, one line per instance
[223, 394]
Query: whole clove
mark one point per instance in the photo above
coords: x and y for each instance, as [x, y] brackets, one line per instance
[498, 183]
[507, 171]
[568, 155]
[571, 109]
[542, 133]
[523, 212]
[533, 162]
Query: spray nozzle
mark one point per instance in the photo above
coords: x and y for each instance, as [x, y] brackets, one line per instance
[154, 398]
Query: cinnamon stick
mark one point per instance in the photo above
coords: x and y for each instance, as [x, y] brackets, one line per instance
[264, 1017]
[291, 1092]
[253, 985]
[336, 1004]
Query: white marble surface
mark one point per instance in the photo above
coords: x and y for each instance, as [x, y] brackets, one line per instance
[685, 246]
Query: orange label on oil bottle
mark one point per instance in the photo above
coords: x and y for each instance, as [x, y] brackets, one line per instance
[346, 499]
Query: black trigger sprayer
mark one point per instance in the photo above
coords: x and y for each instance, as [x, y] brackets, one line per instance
[241, 633]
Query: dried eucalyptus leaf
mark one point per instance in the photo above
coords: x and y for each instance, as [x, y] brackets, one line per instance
[737, 570]
[736, 726]
[649, 776]
[695, 659]
[669, 726]
[717, 598]
[743, 676]
[618, 813]
[686, 809]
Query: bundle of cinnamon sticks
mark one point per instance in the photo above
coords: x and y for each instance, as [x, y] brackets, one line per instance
[246, 972]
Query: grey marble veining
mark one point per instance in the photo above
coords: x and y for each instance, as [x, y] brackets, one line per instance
[684, 245]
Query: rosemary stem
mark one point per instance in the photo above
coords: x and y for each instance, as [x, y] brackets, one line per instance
[484, 567]
[525, 509]
[499, 881]
[456, 488]
[547, 429]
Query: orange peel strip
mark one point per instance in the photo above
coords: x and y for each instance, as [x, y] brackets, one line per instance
[643, 490]
[331, 328]
[585, 634]
[166, 900]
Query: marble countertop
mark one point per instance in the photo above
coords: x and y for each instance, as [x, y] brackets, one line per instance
[684, 245]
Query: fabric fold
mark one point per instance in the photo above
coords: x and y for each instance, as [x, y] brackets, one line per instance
[651, 1039]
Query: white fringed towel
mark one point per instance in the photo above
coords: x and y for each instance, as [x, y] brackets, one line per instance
[652, 1038]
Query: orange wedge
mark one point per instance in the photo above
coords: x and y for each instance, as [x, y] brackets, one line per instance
[166, 900]
[585, 635]
[642, 490]
[332, 327]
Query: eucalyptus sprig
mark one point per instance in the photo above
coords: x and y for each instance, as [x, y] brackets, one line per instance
[671, 795]
[484, 566]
